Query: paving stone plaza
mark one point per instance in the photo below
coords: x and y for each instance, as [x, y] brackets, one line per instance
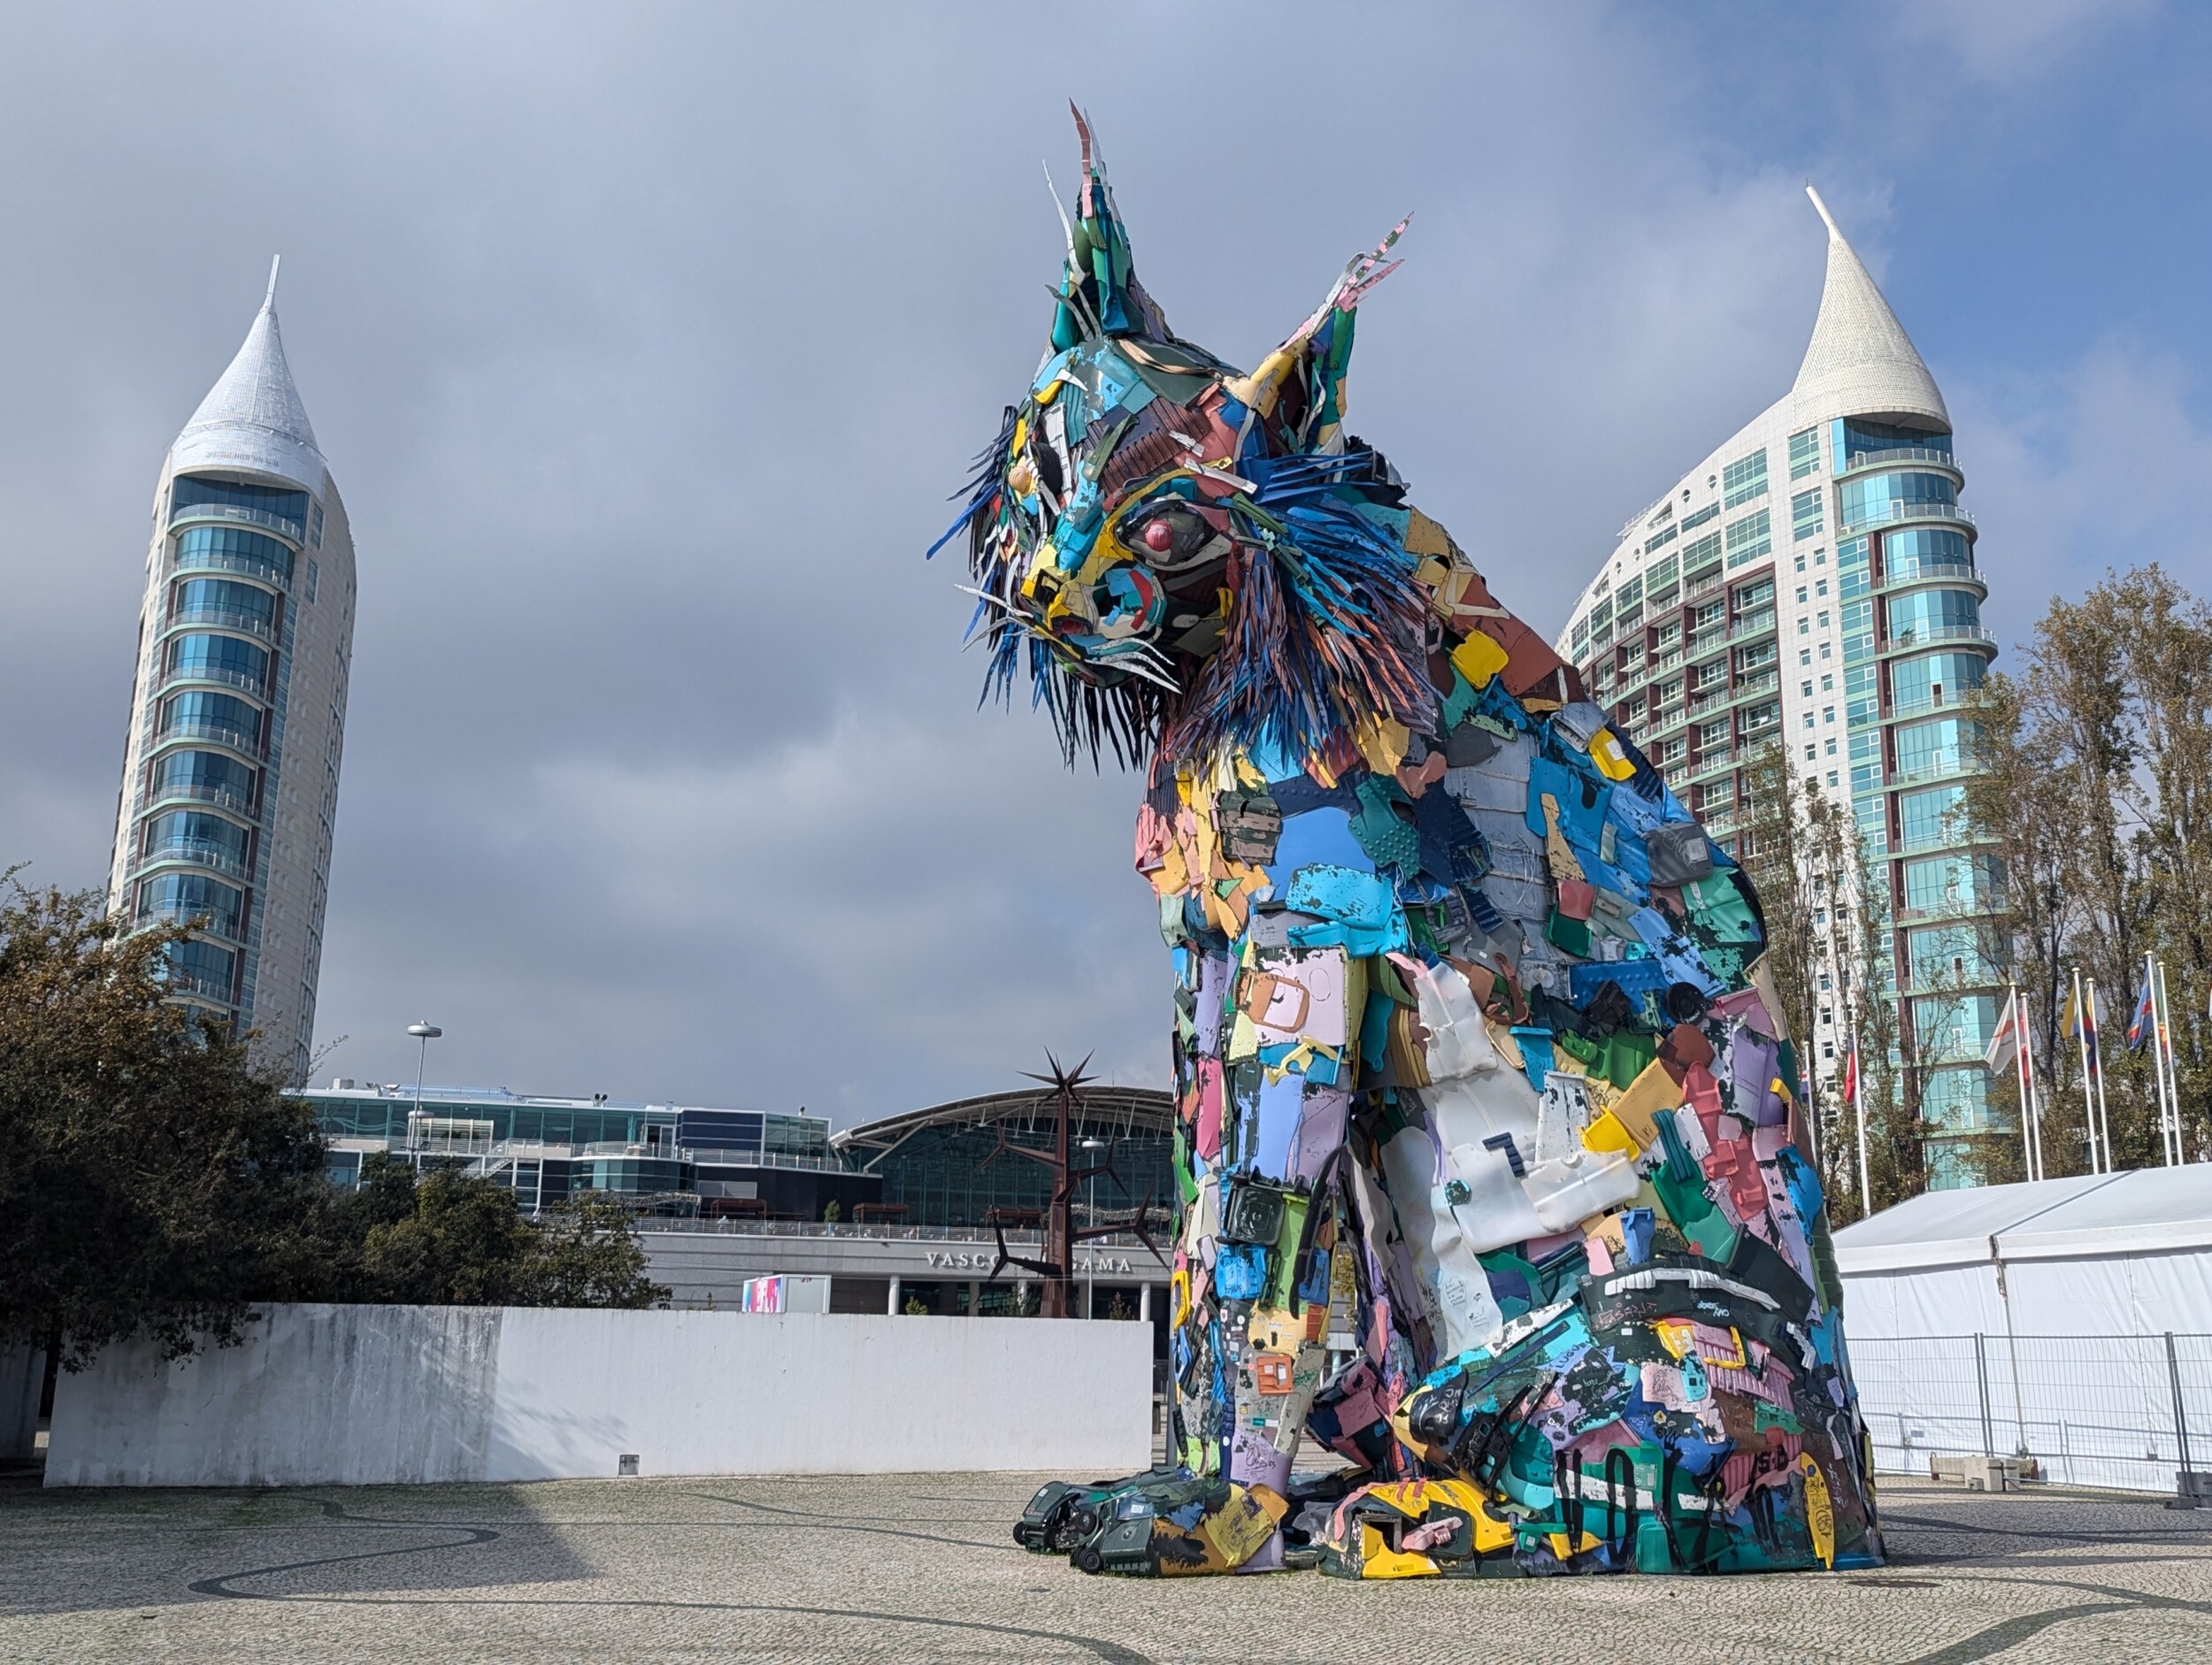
[921, 1567]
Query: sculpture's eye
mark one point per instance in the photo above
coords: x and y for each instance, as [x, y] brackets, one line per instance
[1170, 534]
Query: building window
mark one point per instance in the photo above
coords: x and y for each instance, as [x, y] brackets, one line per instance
[1809, 753]
[1804, 627]
[1744, 480]
[315, 525]
[1805, 454]
[1827, 684]
[1800, 594]
[1832, 747]
[1749, 538]
[1827, 713]
[1831, 776]
[1823, 621]
[1823, 651]
[314, 578]
[1691, 523]
[1805, 516]
[1804, 656]
[1699, 557]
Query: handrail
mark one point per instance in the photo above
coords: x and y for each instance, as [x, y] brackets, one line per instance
[1753, 625]
[238, 516]
[221, 733]
[257, 686]
[227, 929]
[223, 617]
[202, 854]
[1871, 516]
[219, 561]
[165, 792]
[1858, 460]
[1931, 635]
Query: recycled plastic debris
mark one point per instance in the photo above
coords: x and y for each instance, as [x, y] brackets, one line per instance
[1478, 1067]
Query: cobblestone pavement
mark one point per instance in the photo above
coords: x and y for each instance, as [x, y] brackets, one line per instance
[912, 1566]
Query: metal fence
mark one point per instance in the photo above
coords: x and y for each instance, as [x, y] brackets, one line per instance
[2130, 1413]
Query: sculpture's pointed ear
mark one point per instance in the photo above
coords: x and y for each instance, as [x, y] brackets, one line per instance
[1297, 392]
[1099, 291]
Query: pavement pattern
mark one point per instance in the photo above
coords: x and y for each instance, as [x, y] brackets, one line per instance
[910, 1567]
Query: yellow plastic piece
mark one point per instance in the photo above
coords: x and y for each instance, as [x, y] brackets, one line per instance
[1478, 659]
[1609, 1132]
[1820, 1509]
[1050, 391]
[1559, 1544]
[1178, 1299]
[1606, 753]
[1644, 1098]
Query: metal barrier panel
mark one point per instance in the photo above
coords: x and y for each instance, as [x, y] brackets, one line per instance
[2127, 1413]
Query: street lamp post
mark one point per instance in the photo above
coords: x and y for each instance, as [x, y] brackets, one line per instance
[426, 1033]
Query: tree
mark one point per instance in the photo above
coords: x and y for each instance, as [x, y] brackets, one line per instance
[155, 1181]
[149, 1175]
[2098, 788]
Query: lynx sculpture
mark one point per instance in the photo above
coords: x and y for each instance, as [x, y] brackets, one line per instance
[1488, 1141]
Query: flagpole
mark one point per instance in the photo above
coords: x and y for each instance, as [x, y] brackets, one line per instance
[1858, 1105]
[2158, 1058]
[2165, 1045]
[2013, 1015]
[2096, 1031]
[2035, 1104]
[2088, 1102]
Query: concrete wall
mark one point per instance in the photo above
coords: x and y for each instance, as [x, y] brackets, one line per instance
[371, 1395]
[22, 1378]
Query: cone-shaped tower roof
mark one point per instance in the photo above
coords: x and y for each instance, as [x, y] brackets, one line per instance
[1859, 361]
[252, 418]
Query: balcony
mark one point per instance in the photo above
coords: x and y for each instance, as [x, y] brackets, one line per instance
[1755, 624]
[221, 733]
[1947, 767]
[222, 618]
[1951, 911]
[1712, 763]
[1759, 682]
[231, 515]
[1662, 721]
[178, 983]
[207, 561]
[1911, 574]
[177, 913]
[1666, 662]
[178, 675]
[1902, 455]
[1872, 516]
[223, 797]
[195, 853]
[1934, 636]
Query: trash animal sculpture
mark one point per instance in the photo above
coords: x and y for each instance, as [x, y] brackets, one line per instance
[1484, 1094]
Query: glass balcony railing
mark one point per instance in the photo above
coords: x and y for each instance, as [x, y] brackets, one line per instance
[182, 913]
[1754, 624]
[1950, 766]
[1905, 453]
[251, 566]
[1870, 516]
[223, 619]
[221, 733]
[231, 515]
[182, 982]
[182, 792]
[215, 857]
[1928, 635]
[1903, 574]
[211, 673]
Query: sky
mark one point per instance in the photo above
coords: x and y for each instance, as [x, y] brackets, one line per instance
[646, 343]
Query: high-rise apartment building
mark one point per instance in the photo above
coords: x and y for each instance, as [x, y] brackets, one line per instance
[230, 772]
[1813, 583]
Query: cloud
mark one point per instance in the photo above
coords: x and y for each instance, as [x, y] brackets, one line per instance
[2011, 41]
[2094, 465]
[646, 345]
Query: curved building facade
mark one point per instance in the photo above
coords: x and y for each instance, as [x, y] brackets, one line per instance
[1814, 582]
[230, 771]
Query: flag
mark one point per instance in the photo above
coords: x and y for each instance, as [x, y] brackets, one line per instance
[2145, 1023]
[2004, 1043]
[1851, 1073]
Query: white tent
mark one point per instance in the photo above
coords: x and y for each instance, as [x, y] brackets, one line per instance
[2069, 1319]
